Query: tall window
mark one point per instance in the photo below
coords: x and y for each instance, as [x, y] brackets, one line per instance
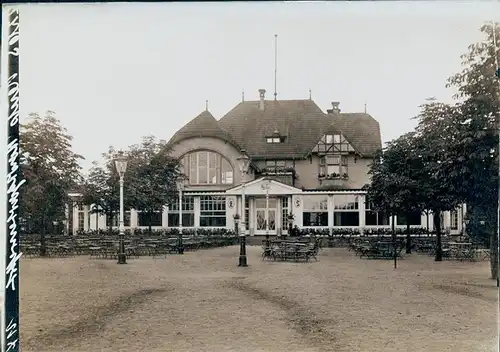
[206, 167]
[333, 164]
[187, 212]
[374, 218]
[212, 211]
[346, 211]
[116, 219]
[454, 220]
[415, 218]
[143, 218]
[315, 211]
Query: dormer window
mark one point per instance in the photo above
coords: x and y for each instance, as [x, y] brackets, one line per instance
[274, 140]
[275, 137]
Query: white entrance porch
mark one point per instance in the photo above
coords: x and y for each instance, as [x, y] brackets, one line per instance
[266, 202]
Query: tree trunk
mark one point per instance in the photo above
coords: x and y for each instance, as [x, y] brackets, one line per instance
[43, 244]
[437, 226]
[427, 219]
[97, 221]
[408, 236]
[494, 255]
[111, 218]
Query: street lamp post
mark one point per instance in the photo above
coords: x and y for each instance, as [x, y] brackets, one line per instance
[181, 182]
[244, 163]
[265, 186]
[121, 167]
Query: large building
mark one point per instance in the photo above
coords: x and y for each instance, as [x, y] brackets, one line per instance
[304, 162]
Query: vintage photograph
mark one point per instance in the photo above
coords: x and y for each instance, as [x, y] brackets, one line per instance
[251, 177]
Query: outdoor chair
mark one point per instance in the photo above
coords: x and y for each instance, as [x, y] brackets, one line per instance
[267, 253]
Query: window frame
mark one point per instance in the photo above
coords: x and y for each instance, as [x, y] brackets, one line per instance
[127, 215]
[315, 214]
[379, 215]
[341, 212]
[213, 210]
[139, 214]
[217, 166]
[454, 219]
[188, 217]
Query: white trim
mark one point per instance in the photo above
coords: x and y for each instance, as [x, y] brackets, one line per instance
[354, 192]
[277, 188]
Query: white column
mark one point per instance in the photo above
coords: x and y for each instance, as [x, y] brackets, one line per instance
[75, 217]
[66, 219]
[431, 221]
[297, 210]
[164, 218]
[331, 205]
[133, 218]
[230, 212]
[196, 211]
[92, 219]
[251, 213]
[102, 221]
[278, 219]
[362, 221]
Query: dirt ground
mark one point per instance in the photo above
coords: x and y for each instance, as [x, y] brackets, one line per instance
[203, 302]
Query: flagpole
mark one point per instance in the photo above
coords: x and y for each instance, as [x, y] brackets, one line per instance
[275, 64]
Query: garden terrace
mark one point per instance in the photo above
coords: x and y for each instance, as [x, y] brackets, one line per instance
[100, 244]
[202, 301]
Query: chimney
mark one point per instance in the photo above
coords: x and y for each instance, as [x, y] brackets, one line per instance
[335, 108]
[262, 93]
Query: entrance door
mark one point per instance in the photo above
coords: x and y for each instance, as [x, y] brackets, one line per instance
[260, 216]
[261, 219]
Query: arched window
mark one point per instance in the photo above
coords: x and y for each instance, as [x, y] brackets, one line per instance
[204, 167]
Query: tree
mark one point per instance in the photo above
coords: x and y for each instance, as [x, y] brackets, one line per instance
[475, 172]
[152, 176]
[100, 192]
[51, 169]
[394, 188]
[435, 133]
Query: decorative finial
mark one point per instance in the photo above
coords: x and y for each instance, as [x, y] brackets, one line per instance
[310, 94]
[242, 96]
[206, 105]
[365, 106]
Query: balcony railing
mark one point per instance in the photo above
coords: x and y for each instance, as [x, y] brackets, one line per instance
[333, 176]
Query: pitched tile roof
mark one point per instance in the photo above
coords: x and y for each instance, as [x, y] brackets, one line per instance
[362, 131]
[203, 125]
[301, 122]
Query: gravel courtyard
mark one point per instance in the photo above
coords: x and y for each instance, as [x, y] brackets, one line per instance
[203, 302]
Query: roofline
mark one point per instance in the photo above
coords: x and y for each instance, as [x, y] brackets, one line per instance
[228, 140]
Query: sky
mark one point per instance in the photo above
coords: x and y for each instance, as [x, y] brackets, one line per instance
[116, 72]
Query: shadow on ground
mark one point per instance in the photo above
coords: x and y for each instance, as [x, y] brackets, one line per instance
[94, 321]
[301, 319]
